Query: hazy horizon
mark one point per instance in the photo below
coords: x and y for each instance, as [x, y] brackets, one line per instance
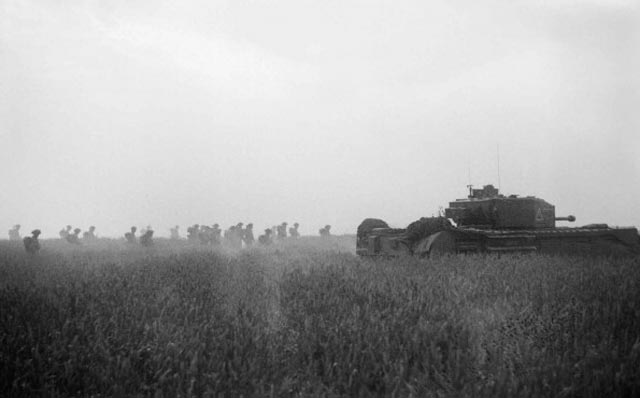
[164, 112]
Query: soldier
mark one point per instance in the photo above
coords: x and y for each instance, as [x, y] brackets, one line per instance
[233, 237]
[265, 239]
[175, 234]
[239, 236]
[90, 234]
[131, 236]
[144, 230]
[282, 231]
[14, 233]
[293, 231]
[192, 233]
[205, 235]
[326, 231]
[65, 232]
[146, 239]
[31, 243]
[74, 238]
[248, 235]
[216, 234]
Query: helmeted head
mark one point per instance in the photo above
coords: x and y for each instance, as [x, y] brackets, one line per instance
[69, 227]
[284, 224]
[92, 228]
[327, 227]
[216, 225]
[77, 231]
[249, 226]
[295, 224]
[134, 229]
[36, 233]
[17, 226]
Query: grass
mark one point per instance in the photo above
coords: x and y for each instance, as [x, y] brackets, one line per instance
[309, 318]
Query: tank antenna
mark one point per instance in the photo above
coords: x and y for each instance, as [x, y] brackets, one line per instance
[498, 150]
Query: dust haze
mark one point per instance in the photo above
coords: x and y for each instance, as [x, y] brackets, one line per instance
[167, 112]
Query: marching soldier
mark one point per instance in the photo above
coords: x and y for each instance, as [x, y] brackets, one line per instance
[74, 238]
[64, 232]
[265, 239]
[282, 231]
[216, 234]
[146, 239]
[293, 231]
[131, 236]
[326, 231]
[14, 233]
[90, 234]
[31, 243]
[248, 235]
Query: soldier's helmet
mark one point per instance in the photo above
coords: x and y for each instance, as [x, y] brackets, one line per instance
[69, 227]
[327, 227]
[216, 225]
[36, 232]
[77, 230]
[250, 225]
[92, 228]
[295, 224]
[17, 226]
[134, 229]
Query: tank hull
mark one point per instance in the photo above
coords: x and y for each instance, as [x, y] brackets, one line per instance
[572, 241]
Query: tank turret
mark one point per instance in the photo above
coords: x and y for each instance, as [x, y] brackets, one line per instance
[486, 208]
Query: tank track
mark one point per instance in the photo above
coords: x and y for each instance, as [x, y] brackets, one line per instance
[600, 240]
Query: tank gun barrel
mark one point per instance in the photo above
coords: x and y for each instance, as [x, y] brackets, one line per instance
[568, 218]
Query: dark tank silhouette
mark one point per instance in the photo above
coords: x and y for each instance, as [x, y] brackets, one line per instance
[487, 221]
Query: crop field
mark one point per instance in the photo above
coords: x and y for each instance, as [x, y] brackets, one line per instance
[309, 318]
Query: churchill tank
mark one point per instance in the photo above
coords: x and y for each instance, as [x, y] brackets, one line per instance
[489, 222]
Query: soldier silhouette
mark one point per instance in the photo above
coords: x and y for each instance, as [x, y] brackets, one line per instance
[282, 231]
[175, 233]
[216, 234]
[192, 233]
[64, 232]
[205, 235]
[146, 239]
[265, 239]
[14, 233]
[90, 234]
[326, 231]
[247, 237]
[74, 238]
[293, 231]
[31, 243]
[131, 236]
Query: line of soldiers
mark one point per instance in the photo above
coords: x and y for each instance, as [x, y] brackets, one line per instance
[236, 236]
[74, 237]
[146, 237]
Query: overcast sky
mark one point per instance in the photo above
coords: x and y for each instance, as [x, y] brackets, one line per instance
[164, 112]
